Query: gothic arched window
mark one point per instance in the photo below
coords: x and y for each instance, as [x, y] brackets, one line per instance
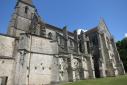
[26, 9]
[50, 35]
[71, 43]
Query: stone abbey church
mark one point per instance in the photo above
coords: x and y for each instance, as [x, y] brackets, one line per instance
[36, 53]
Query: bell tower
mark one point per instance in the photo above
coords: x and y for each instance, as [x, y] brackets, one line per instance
[21, 18]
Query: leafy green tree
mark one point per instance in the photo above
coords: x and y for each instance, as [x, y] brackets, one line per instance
[122, 49]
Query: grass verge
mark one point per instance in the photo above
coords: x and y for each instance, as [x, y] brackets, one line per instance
[120, 80]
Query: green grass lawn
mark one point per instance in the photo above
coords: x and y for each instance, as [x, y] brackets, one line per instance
[120, 80]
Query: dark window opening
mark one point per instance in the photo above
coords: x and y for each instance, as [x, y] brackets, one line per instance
[4, 80]
[35, 67]
[62, 42]
[71, 43]
[27, 68]
[95, 41]
[62, 73]
[2, 61]
[88, 47]
[26, 9]
[59, 66]
[43, 68]
[50, 35]
[80, 47]
[96, 66]
[49, 68]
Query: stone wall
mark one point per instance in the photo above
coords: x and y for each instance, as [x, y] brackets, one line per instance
[7, 71]
[36, 60]
[6, 46]
[41, 69]
[38, 44]
[21, 20]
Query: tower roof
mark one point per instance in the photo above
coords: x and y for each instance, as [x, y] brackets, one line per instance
[27, 1]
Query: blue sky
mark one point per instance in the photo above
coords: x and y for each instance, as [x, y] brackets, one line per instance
[75, 14]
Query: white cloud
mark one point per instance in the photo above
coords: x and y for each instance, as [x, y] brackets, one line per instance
[79, 31]
[125, 35]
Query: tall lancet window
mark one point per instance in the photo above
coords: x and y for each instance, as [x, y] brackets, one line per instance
[26, 9]
[50, 35]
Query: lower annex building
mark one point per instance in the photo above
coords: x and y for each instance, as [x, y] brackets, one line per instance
[36, 53]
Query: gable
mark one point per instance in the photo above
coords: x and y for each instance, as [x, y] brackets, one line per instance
[102, 27]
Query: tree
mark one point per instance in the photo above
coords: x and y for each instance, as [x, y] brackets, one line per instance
[122, 49]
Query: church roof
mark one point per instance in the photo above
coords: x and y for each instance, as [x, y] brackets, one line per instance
[57, 29]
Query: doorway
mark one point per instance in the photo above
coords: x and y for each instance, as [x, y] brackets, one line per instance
[3, 80]
[96, 66]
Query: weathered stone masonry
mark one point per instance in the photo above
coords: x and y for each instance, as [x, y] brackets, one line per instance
[36, 53]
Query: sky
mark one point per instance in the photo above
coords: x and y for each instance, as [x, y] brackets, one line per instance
[75, 14]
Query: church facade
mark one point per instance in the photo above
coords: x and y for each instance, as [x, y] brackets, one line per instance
[36, 53]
